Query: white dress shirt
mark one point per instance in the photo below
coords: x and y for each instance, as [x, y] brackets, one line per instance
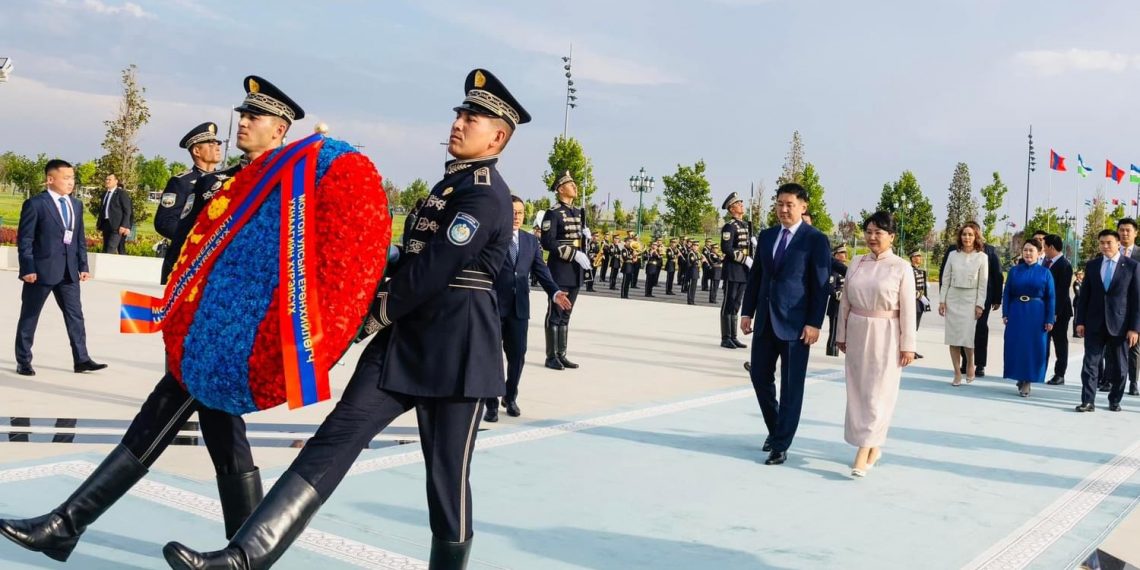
[59, 208]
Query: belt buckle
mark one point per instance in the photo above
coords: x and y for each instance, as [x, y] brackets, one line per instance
[1024, 298]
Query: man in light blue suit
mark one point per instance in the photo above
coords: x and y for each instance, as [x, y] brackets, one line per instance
[785, 302]
[512, 285]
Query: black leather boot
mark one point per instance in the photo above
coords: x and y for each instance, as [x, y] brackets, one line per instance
[449, 555]
[563, 333]
[733, 326]
[552, 361]
[1132, 389]
[273, 526]
[726, 333]
[56, 533]
[239, 493]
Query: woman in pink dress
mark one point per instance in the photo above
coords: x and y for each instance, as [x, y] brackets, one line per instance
[875, 332]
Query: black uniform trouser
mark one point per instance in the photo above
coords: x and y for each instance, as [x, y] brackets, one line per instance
[447, 437]
[613, 278]
[733, 297]
[706, 274]
[166, 411]
[691, 291]
[832, 324]
[33, 296]
[714, 287]
[982, 338]
[636, 274]
[605, 266]
[1133, 363]
[651, 281]
[918, 316]
[1112, 351]
[1060, 342]
[669, 281]
[557, 316]
[626, 282]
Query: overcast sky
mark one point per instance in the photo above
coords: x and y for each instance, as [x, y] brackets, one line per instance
[875, 87]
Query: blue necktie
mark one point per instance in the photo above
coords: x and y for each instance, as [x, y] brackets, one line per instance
[66, 213]
[514, 250]
[1108, 273]
[783, 245]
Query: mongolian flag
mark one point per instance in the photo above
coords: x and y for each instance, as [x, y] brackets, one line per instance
[1134, 202]
[1134, 176]
[1081, 168]
[1056, 161]
[1111, 171]
[1116, 201]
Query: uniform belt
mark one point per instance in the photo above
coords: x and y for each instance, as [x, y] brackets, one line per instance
[875, 314]
[472, 279]
[1027, 298]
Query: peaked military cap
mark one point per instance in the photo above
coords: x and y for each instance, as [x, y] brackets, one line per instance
[732, 199]
[206, 132]
[564, 179]
[842, 248]
[915, 253]
[264, 98]
[486, 95]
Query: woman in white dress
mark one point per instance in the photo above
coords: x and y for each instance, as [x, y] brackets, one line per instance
[874, 330]
[962, 287]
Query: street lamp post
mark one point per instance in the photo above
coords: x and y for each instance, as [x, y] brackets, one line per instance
[571, 97]
[641, 184]
[1030, 167]
[900, 208]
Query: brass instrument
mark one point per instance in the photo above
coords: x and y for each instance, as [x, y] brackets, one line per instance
[600, 255]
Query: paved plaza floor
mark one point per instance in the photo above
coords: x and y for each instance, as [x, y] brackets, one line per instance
[647, 457]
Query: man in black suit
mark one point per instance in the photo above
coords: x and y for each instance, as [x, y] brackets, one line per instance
[993, 303]
[53, 261]
[1108, 317]
[1062, 272]
[524, 259]
[1127, 229]
[787, 295]
[115, 217]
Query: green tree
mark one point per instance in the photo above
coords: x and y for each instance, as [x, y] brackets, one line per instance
[417, 190]
[650, 213]
[1096, 220]
[792, 171]
[121, 145]
[86, 174]
[688, 197]
[913, 212]
[26, 174]
[621, 217]
[177, 168]
[392, 192]
[1044, 219]
[567, 155]
[153, 174]
[961, 207]
[993, 197]
[817, 207]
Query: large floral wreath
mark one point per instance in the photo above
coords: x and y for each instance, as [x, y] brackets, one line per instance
[223, 342]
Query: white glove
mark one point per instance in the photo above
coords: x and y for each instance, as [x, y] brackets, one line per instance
[586, 232]
[748, 261]
[582, 260]
[753, 238]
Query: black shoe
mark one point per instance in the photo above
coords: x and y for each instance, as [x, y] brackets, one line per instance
[1056, 380]
[727, 343]
[25, 370]
[239, 494]
[1114, 407]
[776, 458]
[492, 414]
[1104, 387]
[917, 356]
[512, 409]
[747, 366]
[1132, 390]
[979, 372]
[767, 444]
[1086, 408]
[562, 333]
[738, 343]
[277, 522]
[56, 533]
[88, 366]
[449, 555]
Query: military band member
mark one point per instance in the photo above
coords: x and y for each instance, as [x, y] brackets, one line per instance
[683, 265]
[440, 300]
[737, 244]
[716, 271]
[652, 268]
[604, 269]
[705, 265]
[638, 260]
[595, 264]
[616, 263]
[672, 253]
[835, 282]
[627, 255]
[205, 152]
[563, 233]
[693, 258]
[923, 304]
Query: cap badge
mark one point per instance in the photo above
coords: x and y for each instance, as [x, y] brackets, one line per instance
[253, 86]
[480, 80]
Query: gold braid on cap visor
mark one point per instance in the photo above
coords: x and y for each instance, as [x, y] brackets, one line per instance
[201, 138]
[492, 103]
[270, 105]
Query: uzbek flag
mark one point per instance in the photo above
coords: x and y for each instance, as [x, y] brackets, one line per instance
[1056, 161]
[1081, 168]
[1113, 172]
[1134, 177]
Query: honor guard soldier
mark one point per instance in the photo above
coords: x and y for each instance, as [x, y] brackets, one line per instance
[563, 235]
[205, 152]
[671, 254]
[652, 268]
[835, 282]
[923, 304]
[736, 243]
[438, 350]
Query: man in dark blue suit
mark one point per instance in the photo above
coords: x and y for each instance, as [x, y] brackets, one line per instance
[1108, 317]
[53, 261]
[787, 295]
[512, 284]
[1062, 272]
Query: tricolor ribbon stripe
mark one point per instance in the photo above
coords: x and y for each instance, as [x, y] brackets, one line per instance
[145, 314]
[306, 375]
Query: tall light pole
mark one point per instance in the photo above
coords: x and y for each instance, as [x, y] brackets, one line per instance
[571, 98]
[641, 184]
[1030, 167]
[900, 211]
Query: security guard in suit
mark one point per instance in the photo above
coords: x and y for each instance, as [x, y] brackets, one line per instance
[835, 282]
[438, 350]
[206, 152]
[563, 235]
[736, 243]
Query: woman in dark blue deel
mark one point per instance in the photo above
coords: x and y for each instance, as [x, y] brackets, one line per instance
[1028, 314]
